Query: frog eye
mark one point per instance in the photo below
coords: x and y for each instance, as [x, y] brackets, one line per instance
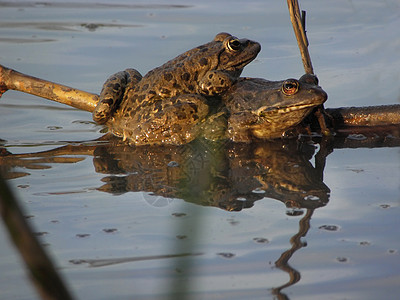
[290, 87]
[234, 45]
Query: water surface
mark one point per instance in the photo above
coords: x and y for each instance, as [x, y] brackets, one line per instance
[263, 222]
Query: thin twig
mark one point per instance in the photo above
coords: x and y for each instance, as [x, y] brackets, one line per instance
[299, 30]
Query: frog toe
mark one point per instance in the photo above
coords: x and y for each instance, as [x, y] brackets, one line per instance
[103, 111]
[113, 92]
[215, 82]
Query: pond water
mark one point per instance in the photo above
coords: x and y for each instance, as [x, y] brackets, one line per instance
[266, 221]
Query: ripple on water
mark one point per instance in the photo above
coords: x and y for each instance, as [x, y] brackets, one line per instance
[329, 227]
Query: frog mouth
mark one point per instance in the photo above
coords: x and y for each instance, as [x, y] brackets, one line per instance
[251, 54]
[242, 63]
[268, 110]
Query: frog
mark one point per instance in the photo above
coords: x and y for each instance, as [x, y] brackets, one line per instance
[170, 103]
[260, 109]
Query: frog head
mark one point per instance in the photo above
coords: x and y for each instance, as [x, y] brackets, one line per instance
[224, 61]
[235, 53]
[264, 109]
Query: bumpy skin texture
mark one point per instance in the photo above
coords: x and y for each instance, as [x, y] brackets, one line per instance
[170, 102]
[263, 109]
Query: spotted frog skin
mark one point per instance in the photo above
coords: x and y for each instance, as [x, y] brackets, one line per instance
[263, 109]
[169, 104]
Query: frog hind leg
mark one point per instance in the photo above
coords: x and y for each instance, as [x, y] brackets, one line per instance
[112, 93]
[176, 121]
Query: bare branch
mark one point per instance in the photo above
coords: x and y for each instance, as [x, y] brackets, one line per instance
[299, 30]
[13, 80]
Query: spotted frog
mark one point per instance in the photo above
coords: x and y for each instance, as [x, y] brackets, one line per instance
[263, 109]
[170, 103]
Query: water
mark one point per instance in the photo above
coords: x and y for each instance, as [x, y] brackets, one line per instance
[98, 208]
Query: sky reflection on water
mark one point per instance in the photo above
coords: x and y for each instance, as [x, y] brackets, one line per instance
[349, 251]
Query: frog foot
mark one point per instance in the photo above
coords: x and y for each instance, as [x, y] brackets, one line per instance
[112, 93]
[215, 82]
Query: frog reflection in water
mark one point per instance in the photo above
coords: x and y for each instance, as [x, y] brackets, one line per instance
[169, 103]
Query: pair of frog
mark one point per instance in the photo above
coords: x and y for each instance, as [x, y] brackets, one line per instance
[201, 93]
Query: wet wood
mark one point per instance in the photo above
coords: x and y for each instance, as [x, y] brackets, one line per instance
[342, 117]
[365, 116]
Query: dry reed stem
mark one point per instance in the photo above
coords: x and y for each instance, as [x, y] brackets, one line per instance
[299, 30]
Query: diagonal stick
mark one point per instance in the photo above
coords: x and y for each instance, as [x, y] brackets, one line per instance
[13, 80]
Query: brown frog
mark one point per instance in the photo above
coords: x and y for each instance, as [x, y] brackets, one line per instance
[262, 109]
[170, 103]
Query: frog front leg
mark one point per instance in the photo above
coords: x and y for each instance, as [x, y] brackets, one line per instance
[215, 82]
[240, 126]
[171, 121]
[112, 93]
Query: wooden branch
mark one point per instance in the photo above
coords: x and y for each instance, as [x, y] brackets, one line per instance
[13, 80]
[379, 115]
[300, 32]
[344, 116]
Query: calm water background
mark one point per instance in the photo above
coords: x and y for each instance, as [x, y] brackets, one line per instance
[355, 52]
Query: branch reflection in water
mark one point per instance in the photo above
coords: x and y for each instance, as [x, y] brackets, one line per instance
[225, 175]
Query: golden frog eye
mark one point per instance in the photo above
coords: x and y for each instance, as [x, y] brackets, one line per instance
[290, 87]
[234, 45]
